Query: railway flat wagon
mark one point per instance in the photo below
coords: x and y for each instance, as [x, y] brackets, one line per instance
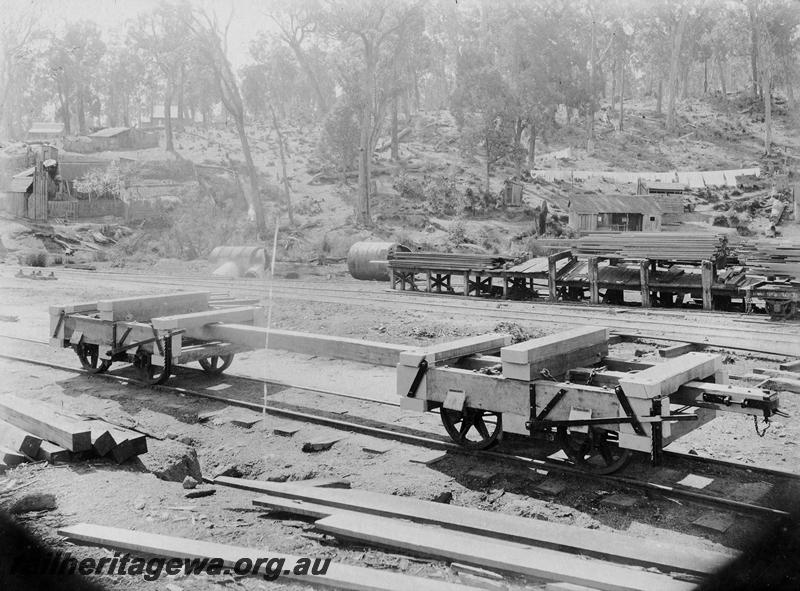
[566, 388]
[153, 332]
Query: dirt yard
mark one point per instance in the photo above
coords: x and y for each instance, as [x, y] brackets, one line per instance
[131, 496]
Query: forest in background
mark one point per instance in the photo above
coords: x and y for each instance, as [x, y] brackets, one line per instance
[357, 71]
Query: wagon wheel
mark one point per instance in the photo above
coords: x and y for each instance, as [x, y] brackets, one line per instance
[151, 374]
[596, 451]
[469, 428]
[216, 364]
[90, 358]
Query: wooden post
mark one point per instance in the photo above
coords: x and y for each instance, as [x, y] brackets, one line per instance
[551, 277]
[505, 286]
[428, 281]
[644, 280]
[707, 270]
[594, 290]
[466, 283]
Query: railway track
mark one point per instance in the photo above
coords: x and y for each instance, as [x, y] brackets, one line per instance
[437, 442]
[742, 332]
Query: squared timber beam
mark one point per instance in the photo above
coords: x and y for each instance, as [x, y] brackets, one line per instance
[145, 308]
[666, 378]
[442, 352]
[254, 337]
[238, 315]
[557, 344]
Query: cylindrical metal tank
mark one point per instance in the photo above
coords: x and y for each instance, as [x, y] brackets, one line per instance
[368, 260]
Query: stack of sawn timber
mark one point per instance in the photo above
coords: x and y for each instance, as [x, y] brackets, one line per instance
[33, 430]
[772, 257]
[444, 260]
[667, 246]
[530, 547]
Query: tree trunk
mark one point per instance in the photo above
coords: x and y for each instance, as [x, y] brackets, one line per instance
[170, 147]
[685, 81]
[395, 141]
[705, 76]
[286, 187]
[181, 106]
[365, 155]
[81, 109]
[590, 94]
[789, 78]
[532, 145]
[488, 164]
[302, 59]
[660, 97]
[63, 96]
[126, 113]
[672, 84]
[256, 204]
[766, 90]
[614, 85]
[751, 12]
[622, 97]
[722, 85]
[519, 127]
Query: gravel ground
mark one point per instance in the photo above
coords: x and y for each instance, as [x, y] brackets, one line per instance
[130, 496]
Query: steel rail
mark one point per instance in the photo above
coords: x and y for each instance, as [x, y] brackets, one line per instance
[287, 411]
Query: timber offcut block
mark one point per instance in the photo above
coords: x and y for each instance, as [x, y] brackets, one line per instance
[557, 344]
[557, 364]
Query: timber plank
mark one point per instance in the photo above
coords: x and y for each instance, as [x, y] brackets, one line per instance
[254, 337]
[242, 314]
[506, 556]
[609, 545]
[555, 344]
[45, 421]
[144, 308]
[338, 576]
[16, 439]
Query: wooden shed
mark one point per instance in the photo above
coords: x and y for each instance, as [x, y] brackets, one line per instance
[669, 196]
[614, 213]
[122, 138]
[45, 131]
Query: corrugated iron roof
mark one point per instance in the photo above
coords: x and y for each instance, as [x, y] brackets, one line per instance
[20, 185]
[614, 204]
[26, 172]
[110, 132]
[667, 187]
[46, 127]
